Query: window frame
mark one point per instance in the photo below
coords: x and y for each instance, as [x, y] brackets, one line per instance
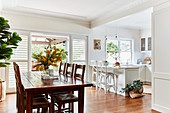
[119, 51]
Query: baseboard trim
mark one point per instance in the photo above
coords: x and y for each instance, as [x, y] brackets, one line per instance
[160, 108]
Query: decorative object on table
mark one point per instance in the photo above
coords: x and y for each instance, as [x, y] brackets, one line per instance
[50, 57]
[116, 62]
[97, 44]
[134, 90]
[49, 77]
[106, 63]
[147, 60]
[51, 72]
[138, 61]
[8, 42]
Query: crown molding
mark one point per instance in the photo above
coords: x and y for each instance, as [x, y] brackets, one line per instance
[132, 8]
[46, 14]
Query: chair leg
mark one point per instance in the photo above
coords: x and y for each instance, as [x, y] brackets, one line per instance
[51, 108]
[38, 110]
[96, 82]
[43, 110]
[52, 102]
[72, 107]
[59, 108]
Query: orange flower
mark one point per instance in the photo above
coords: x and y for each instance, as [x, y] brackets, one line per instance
[37, 67]
[49, 62]
[41, 68]
[39, 60]
[55, 65]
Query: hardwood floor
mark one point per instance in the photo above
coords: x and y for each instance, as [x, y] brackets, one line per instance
[97, 102]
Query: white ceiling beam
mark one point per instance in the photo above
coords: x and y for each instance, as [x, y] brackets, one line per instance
[115, 15]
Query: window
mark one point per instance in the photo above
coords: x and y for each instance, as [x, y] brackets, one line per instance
[79, 50]
[119, 50]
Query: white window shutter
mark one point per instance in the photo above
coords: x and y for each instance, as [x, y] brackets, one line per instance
[78, 49]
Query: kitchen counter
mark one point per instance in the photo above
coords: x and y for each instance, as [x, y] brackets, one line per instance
[125, 74]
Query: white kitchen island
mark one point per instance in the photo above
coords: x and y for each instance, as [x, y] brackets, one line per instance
[125, 75]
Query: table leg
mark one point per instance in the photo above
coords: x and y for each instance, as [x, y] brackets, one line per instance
[81, 100]
[29, 102]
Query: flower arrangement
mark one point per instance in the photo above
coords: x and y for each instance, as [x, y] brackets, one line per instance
[51, 56]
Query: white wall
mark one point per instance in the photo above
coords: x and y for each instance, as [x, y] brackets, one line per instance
[103, 31]
[161, 58]
[45, 24]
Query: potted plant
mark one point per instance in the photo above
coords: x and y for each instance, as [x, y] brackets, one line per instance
[134, 89]
[8, 42]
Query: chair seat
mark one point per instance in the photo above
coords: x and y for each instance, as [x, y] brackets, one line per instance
[56, 93]
[64, 98]
[39, 101]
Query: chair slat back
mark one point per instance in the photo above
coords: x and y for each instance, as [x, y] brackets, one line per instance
[62, 68]
[69, 70]
[20, 89]
[76, 74]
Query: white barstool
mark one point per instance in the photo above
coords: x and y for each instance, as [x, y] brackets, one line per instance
[107, 77]
[95, 73]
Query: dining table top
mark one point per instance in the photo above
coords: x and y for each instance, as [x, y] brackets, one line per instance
[34, 81]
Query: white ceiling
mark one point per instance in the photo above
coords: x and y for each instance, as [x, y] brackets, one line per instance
[141, 20]
[93, 12]
[81, 9]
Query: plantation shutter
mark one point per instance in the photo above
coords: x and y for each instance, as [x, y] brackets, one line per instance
[21, 53]
[20, 56]
[78, 50]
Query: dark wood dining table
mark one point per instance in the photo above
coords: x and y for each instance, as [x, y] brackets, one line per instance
[34, 84]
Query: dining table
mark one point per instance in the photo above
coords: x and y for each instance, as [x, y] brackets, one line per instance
[35, 84]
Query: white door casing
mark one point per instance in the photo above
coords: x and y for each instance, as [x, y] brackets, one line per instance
[161, 58]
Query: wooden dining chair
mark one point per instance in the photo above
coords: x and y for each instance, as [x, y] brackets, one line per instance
[38, 101]
[80, 75]
[69, 70]
[70, 98]
[62, 69]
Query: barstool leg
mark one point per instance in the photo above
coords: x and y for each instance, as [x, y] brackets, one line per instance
[100, 83]
[96, 82]
[116, 83]
[105, 84]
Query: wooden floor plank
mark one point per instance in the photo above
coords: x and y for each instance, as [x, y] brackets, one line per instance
[97, 102]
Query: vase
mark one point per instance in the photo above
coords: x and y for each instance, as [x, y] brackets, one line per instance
[136, 94]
